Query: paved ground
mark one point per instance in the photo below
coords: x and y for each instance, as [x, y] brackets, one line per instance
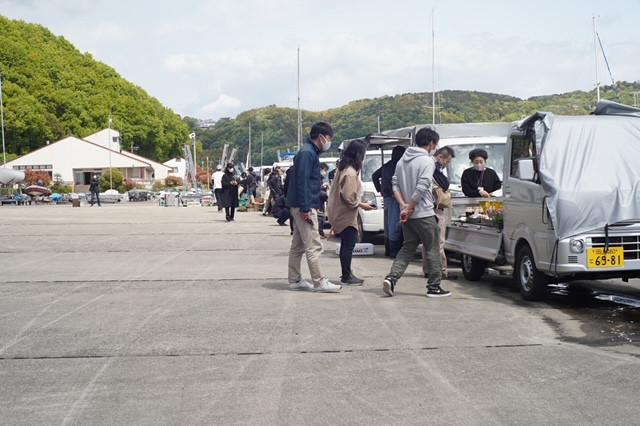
[148, 315]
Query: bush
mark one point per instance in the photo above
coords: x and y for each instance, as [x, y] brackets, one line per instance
[31, 177]
[129, 185]
[117, 178]
[157, 186]
[62, 189]
[173, 181]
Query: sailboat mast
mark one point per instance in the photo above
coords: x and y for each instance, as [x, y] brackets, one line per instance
[249, 151]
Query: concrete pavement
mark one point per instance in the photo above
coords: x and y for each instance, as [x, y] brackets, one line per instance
[135, 314]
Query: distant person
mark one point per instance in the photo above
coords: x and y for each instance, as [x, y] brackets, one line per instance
[243, 183]
[412, 187]
[229, 192]
[382, 181]
[94, 188]
[332, 174]
[266, 174]
[252, 185]
[442, 198]
[324, 196]
[287, 179]
[344, 203]
[217, 186]
[280, 211]
[276, 186]
[479, 180]
[303, 197]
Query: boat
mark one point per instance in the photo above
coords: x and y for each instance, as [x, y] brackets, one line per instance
[37, 191]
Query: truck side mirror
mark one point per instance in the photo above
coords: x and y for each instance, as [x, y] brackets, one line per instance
[526, 169]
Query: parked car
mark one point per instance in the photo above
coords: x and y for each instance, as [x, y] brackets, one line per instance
[139, 195]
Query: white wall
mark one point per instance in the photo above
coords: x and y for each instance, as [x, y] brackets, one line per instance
[178, 163]
[102, 138]
[73, 153]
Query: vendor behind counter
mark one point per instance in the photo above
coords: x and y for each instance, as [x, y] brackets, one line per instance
[479, 180]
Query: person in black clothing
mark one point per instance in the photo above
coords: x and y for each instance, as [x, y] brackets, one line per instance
[229, 192]
[94, 188]
[276, 186]
[324, 196]
[479, 180]
[280, 211]
[252, 185]
[382, 181]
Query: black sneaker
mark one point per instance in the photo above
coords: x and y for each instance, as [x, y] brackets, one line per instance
[389, 286]
[437, 291]
[352, 280]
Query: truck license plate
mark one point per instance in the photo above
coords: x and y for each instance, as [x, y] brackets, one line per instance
[597, 258]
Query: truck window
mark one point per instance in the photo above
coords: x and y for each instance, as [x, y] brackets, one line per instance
[522, 146]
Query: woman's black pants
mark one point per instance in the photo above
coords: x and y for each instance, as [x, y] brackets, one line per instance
[348, 238]
[230, 212]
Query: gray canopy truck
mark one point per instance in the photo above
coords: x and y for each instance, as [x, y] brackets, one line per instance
[570, 204]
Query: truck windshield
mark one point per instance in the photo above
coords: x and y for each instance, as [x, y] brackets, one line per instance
[372, 162]
[461, 161]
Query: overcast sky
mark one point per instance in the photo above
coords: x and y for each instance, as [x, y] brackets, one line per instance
[217, 58]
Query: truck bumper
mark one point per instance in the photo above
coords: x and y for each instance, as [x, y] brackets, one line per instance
[576, 265]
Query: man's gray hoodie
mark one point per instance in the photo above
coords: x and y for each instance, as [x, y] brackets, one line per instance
[413, 179]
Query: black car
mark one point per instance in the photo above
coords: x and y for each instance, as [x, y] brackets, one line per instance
[139, 195]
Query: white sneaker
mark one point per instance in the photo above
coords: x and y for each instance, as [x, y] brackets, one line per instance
[302, 285]
[327, 286]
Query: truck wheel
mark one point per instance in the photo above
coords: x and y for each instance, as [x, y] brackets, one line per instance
[531, 282]
[473, 268]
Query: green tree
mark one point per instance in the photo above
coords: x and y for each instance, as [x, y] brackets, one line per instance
[117, 179]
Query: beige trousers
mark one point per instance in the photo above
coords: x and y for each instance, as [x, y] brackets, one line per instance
[306, 241]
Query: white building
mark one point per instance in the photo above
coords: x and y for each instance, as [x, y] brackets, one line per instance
[178, 167]
[77, 159]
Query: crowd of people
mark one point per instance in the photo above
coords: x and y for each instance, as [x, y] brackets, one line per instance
[414, 188]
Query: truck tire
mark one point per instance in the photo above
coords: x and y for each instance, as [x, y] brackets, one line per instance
[473, 268]
[531, 282]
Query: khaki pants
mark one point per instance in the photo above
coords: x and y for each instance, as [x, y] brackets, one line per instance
[306, 240]
[442, 223]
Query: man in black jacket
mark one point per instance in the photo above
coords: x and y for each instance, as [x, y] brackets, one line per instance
[94, 188]
[382, 181]
[303, 197]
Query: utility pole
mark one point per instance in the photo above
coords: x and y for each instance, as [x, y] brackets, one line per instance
[433, 68]
[595, 58]
[110, 171]
[208, 179]
[299, 111]
[4, 149]
[636, 99]
[378, 123]
[195, 155]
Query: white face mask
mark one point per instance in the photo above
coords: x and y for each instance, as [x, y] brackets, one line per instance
[479, 167]
[326, 144]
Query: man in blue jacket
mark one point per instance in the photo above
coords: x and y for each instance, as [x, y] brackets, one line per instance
[303, 197]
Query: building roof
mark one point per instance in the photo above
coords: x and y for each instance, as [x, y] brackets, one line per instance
[83, 149]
